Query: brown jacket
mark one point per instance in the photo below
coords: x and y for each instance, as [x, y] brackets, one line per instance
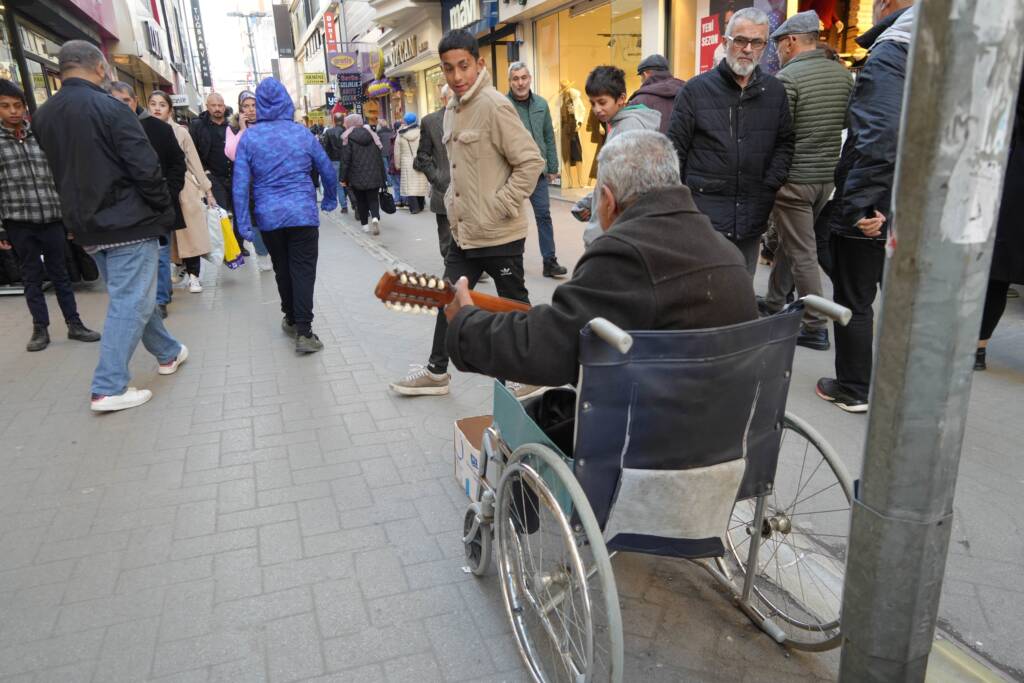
[194, 240]
[495, 166]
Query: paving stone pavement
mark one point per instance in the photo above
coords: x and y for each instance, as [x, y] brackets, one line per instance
[268, 517]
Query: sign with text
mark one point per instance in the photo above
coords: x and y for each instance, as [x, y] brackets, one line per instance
[314, 78]
[709, 39]
[179, 100]
[331, 42]
[204, 60]
[476, 16]
[283, 32]
[350, 91]
[329, 99]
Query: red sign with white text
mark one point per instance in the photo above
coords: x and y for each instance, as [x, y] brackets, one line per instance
[709, 39]
[331, 34]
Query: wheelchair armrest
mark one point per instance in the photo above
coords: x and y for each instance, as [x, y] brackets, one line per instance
[829, 309]
[611, 333]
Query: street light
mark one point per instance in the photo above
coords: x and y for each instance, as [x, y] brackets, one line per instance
[248, 31]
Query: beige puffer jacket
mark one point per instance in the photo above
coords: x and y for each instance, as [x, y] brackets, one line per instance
[495, 166]
[414, 183]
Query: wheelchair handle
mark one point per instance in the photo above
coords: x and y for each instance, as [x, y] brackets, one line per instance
[830, 309]
[615, 336]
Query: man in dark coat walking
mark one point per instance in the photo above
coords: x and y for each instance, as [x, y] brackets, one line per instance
[863, 197]
[115, 201]
[659, 88]
[172, 163]
[209, 133]
[734, 134]
[432, 161]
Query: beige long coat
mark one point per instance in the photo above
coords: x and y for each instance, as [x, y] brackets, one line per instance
[193, 240]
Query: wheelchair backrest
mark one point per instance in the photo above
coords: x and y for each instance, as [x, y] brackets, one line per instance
[683, 399]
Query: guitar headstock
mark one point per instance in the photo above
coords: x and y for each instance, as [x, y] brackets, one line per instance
[413, 292]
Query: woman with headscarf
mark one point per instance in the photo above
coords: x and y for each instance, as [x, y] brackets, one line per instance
[362, 170]
[415, 186]
[194, 241]
[237, 125]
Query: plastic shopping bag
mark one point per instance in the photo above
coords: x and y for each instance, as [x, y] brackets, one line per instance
[216, 255]
[232, 251]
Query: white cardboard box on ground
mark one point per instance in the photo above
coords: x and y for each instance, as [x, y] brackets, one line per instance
[469, 455]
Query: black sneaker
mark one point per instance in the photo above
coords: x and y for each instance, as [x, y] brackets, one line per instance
[40, 338]
[79, 332]
[813, 339]
[163, 311]
[831, 390]
[979, 360]
[310, 344]
[553, 269]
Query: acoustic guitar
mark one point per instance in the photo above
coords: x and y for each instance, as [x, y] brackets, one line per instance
[420, 293]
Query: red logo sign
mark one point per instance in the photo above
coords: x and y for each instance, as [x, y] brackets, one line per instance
[331, 33]
[709, 39]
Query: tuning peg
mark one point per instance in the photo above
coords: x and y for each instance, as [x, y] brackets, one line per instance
[423, 281]
[431, 283]
[440, 285]
[406, 308]
[403, 278]
[388, 304]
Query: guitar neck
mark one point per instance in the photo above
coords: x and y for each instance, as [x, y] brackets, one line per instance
[496, 304]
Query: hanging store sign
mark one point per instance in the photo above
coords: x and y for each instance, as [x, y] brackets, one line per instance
[204, 60]
[331, 42]
[476, 16]
[350, 90]
[178, 100]
[314, 78]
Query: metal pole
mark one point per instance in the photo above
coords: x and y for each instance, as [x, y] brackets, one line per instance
[252, 51]
[958, 111]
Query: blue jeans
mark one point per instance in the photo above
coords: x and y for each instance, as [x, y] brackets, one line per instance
[396, 187]
[163, 274]
[342, 193]
[541, 202]
[258, 245]
[130, 275]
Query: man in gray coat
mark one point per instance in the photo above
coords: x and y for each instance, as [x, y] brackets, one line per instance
[432, 161]
[818, 88]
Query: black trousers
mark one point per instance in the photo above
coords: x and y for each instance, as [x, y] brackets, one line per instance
[191, 264]
[995, 304]
[509, 279]
[222, 193]
[857, 266]
[367, 204]
[30, 241]
[293, 251]
[444, 234]
[416, 204]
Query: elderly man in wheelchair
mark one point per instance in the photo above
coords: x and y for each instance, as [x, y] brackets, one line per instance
[670, 443]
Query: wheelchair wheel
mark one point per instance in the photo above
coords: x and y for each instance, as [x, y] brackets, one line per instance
[556, 576]
[476, 542]
[801, 560]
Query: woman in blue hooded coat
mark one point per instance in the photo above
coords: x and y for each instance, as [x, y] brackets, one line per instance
[277, 158]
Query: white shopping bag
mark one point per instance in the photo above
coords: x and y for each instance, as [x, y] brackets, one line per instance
[213, 218]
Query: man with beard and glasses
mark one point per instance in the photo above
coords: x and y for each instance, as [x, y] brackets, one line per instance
[734, 134]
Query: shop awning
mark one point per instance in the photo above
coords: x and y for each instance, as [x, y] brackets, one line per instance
[417, 63]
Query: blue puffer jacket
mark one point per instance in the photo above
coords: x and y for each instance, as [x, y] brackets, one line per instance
[275, 158]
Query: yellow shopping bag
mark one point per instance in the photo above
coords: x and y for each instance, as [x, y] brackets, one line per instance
[232, 250]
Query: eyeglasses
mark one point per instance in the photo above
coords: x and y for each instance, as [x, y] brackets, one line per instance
[742, 42]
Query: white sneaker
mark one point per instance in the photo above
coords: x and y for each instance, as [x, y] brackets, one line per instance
[525, 391]
[194, 285]
[172, 367]
[131, 398]
[422, 382]
[175, 274]
[375, 226]
[366, 229]
[263, 264]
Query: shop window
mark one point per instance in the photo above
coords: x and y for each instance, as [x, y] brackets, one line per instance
[434, 78]
[684, 44]
[8, 64]
[498, 68]
[38, 78]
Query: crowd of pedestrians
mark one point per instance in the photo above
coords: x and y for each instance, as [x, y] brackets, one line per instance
[691, 177]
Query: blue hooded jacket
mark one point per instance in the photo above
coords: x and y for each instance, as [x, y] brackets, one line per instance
[275, 158]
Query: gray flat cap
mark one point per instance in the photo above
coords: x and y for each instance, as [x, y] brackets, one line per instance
[653, 63]
[802, 22]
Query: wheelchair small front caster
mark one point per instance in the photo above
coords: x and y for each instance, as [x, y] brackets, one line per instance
[476, 540]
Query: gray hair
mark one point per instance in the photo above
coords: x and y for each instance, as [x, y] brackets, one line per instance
[516, 66]
[121, 86]
[636, 162]
[751, 14]
[79, 54]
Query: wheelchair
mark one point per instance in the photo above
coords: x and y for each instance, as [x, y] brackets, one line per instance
[674, 443]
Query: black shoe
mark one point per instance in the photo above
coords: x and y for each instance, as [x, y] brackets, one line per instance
[344, 209]
[245, 252]
[40, 338]
[763, 309]
[289, 328]
[979, 360]
[554, 269]
[80, 332]
[831, 390]
[813, 339]
[163, 311]
[310, 344]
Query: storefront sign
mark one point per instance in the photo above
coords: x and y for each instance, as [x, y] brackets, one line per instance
[350, 91]
[329, 99]
[708, 42]
[476, 16]
[179, 100]
[204, 60]
[100, 11]
[331, 42]
[314, 78]
[402, 51]
[283, 32]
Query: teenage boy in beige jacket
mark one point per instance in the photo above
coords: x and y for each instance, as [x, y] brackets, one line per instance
[495, 164]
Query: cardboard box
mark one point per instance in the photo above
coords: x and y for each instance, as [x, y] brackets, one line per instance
[469, 455]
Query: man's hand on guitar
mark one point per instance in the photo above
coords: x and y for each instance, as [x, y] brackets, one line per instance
[462, 298]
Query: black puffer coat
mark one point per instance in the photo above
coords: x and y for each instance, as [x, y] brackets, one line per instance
[867, 166]
[1008, 254]
[362, 166]
[735, 147]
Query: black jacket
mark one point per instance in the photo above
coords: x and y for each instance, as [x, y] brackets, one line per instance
[172, 159]
[735, 147]
[209, 145]
[432, 159]
[867, 165]
[108, 177]
[660, 267]
[331, 141]
[1008, 252]
[362, 165]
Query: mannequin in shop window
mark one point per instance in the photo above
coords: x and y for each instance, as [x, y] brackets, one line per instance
[573, 115]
